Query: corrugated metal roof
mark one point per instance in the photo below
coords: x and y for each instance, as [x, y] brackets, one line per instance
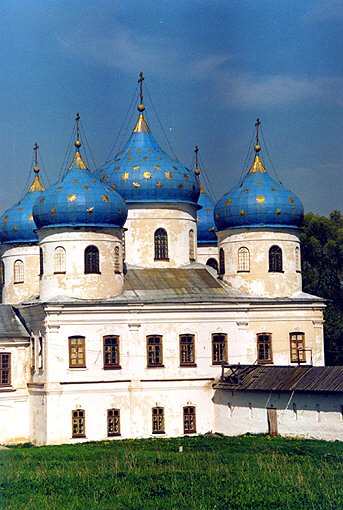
[278, 378]
[10, 324]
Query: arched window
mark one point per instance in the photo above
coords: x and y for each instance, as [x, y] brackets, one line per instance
[275, 259]
[221, 261]
[161, 244]
[243, 259]
[191, 246]
[212, 263]
[92, 260]
[18, 271]
[117, 259]
[60, 260]
[41, 263]
[297, 259]
[2, 281]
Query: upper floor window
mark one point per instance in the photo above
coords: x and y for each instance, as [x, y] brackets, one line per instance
[221, 261]
[158, 420]
[243, 259]
[161, 244]
[191, 241]
[111, 352]
[275, 259]
[154, 351]
[5, 369]
[264, 348]
[297, 346]
[117, 259]
[219, 348]
[59, 260]
[33, 355]
[187, 355]
[77, 352]
[41, 262]
[2, 275]
[212, 262]
[113, 422]
[78, 423]
[18, 270]
[92, 260]
[297, 259]
[189, 422]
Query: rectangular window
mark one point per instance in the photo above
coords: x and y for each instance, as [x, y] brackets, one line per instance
[154, 351]
[5, 369]
[297, 345]
[111, 352]
[77, 352]
[33, 355]
[78, 423]
[189, 424]
[187, 355]
[219, 348]
[113, 422]
[40, 353]
[264, 348]
[158, 420]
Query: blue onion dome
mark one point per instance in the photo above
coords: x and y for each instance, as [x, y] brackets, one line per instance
[79, 200]
[143, 172]
[258, 201]
[205, 222]
[16, 224]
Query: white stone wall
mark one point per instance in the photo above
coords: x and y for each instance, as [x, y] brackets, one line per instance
[309, 415]
[207, 252]
[14, 293]
[258, 281]
[144, 219]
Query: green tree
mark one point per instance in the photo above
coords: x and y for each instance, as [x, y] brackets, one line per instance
[322, 262]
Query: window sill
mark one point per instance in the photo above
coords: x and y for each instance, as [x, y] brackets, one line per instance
[298, 271]
[78, 437]
[112, 367]
[59, 272]
[187, 432]
[78, 368]
[185, 365]
[7, 389]
[243, 271]
[158, 432]
[275, 271]
[265, 362]
[115, 434]
[17, 283]
[94, 272]
[219, 363]
[156, 365]
[165, 260]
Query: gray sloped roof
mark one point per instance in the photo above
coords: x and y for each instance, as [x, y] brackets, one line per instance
[279, 378]
[11, 326]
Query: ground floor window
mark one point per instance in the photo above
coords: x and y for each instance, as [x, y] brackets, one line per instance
[158, 420]
[78, 423]
[113, 422]
[5, 369]
[189, 422]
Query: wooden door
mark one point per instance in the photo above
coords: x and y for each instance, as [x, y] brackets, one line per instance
[272, 421]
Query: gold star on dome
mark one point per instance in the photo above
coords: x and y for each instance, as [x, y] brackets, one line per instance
[228, 201]
[20, 208]
[113, 186]
[15, 229]
[104, 178]
[144, 158]
[169, 175]
[139, 150]
[217, 216]
[245, 190]
[186, 176]
[59, 188]
[147, 175]
[260, 199]
[208, 210]
[159, 184]
[291, 200]
[31, 217]
[125, 176]
[105, 198]
[136, 167]
[273, 190]
[202, 190]
[130, 150]
[136, 184]
[74, 180]
[278, 211]
[148, 150]
[5, 220]
[157, 167]
[86, 187]
[53, 211]
[259, 183]
[180, 186]
[159, 158]
[90, 210]
[130, 158]
[117, 168]
[41, 200]
[242, 212]
[71, 197]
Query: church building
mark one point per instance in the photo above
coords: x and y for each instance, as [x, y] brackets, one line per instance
[126, 290]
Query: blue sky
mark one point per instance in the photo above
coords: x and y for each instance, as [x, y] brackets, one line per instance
[211, 67]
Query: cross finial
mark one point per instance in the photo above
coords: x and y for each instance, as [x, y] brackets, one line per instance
[140, 81]
[35, 151]
[77, 120]
[196, 171]
[257, 125]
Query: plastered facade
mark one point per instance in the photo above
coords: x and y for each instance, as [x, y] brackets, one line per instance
[25, 288]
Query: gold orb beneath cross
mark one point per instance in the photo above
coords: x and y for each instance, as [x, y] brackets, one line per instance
[141, 107]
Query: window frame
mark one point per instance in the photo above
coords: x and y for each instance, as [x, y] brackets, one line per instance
[161, 251]
[81, 347]
[297, 259]
[215, 345]
[157, 420]
[60, 260]
[92, 266]
[275, 259]
[243, 260]
[191, 247]
[151, 353]
[113, 421]
[18, 271]
[221, 262]
[116, 260]
[5, 369]
[2, 281]
[111, 366]
[296, 357]
[183, 344]
[263, 343]
[212, 262]
[41, 262]
[189, 412]
[78, 420]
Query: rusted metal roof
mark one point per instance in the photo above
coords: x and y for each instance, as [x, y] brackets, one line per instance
[279, 378]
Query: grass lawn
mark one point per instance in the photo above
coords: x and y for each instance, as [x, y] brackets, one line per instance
[221, 473]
